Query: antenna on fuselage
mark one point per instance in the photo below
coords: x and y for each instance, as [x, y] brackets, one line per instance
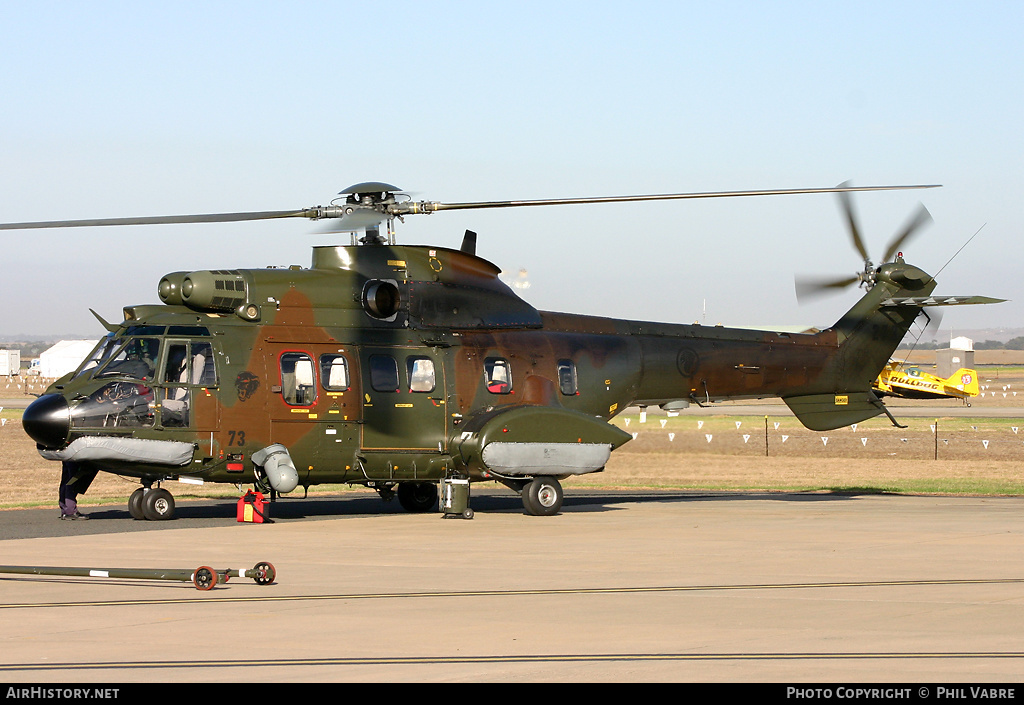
[469, 243]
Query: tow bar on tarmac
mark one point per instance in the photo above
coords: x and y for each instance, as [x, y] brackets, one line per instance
[204, 577]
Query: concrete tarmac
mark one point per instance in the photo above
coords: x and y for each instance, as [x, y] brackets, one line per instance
[634, 587]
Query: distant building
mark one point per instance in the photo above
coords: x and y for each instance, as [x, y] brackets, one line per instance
[961, 343]
[64, 357]
[959, 354]
[10, 362]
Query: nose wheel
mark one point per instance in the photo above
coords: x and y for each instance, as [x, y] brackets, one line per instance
[155, 504]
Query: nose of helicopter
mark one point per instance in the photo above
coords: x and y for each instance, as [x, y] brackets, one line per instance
[47, 420]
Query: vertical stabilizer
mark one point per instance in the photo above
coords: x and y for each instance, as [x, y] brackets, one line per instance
[868, 334]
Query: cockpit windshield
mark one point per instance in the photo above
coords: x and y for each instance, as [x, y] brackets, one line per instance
[100, 354]
[135, 359]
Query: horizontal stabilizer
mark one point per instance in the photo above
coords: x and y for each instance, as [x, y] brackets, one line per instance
[824, 412]
[939, 301]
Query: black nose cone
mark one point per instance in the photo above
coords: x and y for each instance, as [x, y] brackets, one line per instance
[47, 421]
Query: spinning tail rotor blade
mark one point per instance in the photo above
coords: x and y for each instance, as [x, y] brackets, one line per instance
[807, 288]
[812, 288]
[851, 220]
[920, 218]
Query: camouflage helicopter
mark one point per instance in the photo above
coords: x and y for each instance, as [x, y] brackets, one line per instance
[412, 368]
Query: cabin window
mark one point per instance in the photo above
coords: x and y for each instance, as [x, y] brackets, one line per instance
[297, 379]
[334, 373]
[383, 373]
[498, 374]
[567, 377]
[421, 374]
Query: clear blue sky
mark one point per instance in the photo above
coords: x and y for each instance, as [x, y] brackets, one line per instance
[124, 108]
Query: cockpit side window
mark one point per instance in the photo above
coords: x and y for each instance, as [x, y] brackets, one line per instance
[176, 364]
[117, 404]
[204, 371]
[189, 364]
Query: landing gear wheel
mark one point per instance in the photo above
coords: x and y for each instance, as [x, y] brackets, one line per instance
[542, 496]
[265, 573]
[158, 505]
[204, 578]
[417, 497]
[135, 504]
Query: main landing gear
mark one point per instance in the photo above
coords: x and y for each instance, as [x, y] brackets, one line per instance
[542, 496]
[151, 503]
[417, 497]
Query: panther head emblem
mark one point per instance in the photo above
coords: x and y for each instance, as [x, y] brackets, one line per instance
[246, 383]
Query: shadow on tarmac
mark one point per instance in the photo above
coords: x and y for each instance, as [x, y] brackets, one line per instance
[37, 523]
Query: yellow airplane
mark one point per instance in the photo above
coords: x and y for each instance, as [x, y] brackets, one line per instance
[911, 382]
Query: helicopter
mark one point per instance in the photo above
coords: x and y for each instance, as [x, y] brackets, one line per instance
[413, 369]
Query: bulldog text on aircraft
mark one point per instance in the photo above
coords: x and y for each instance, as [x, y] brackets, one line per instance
[899, 379]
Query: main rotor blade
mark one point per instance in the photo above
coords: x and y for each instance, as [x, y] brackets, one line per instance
[163, 219]
[430, 206]
[922, 217]
[381, 211]
[851, 219]
[810, 288]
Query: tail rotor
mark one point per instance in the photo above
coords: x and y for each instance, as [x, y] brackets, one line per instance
[808, 288]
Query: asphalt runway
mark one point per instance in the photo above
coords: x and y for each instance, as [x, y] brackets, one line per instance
[638, 587]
